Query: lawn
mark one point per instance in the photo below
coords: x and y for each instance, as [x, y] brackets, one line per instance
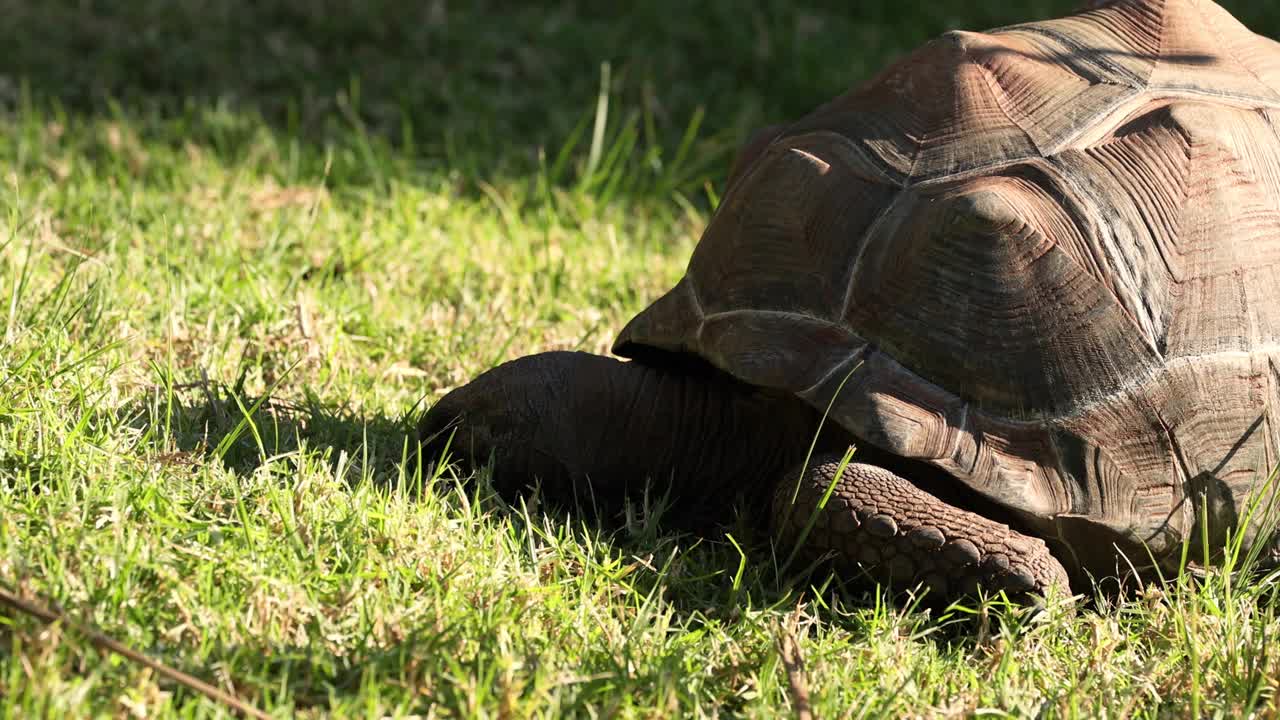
[243, 245]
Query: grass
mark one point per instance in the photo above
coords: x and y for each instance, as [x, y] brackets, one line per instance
[242, 245]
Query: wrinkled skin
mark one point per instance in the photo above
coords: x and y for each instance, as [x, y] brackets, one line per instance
[594, 431]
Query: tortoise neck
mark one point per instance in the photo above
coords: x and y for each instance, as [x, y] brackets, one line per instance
[707, 439]
[596, 432]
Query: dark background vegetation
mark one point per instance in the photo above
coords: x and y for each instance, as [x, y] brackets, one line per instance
[490, 87]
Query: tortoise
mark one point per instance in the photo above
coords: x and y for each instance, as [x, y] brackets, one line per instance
[1031, 274]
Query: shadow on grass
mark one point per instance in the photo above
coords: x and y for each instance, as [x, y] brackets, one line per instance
[473, 91]
[221, 424]
[242, 432]
[482, 88]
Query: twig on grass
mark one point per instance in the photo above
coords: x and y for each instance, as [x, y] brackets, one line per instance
[101, 641]
[793, 661]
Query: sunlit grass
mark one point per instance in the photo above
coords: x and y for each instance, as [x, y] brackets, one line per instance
[227, 287]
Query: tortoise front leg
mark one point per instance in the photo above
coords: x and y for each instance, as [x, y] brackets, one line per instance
[901, 536]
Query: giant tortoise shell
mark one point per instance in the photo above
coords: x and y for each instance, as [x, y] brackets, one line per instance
[1045, 259]
[1033, 273]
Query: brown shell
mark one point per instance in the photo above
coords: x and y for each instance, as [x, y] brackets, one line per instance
[1045, 259]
